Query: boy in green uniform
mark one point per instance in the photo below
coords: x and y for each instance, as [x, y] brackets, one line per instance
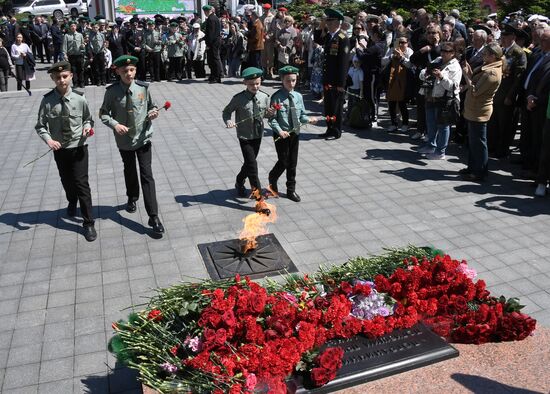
[291, 113]
[250, 107]
[129, 109]
[64, 123]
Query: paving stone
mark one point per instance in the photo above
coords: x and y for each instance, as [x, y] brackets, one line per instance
[58, 349]
[90, 363]
[53, 370]
[24, 355]
[21, 376]
[90, 343]
[64, 386]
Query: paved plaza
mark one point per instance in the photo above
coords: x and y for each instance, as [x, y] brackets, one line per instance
[59, 294]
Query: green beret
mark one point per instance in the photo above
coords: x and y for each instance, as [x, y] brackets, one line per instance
[150, 22]
[174, 24]
[288, 70]
[331, 13]
[59, 67]
[207, 7]
[125, 60]
[252, 73]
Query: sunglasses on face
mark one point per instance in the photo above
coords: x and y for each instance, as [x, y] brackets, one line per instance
[403, 42]
[447, 51]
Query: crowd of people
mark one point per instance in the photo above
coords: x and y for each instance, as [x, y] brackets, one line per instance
[477, 83]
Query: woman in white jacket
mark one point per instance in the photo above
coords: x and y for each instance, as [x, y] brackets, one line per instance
[197, 48]
[441, 81]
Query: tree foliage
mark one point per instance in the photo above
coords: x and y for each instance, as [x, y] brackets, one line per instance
[541, 7]
[469, 9]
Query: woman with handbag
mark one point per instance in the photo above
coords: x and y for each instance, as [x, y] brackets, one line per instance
[441, 89]
[481, 85]
[397, 75]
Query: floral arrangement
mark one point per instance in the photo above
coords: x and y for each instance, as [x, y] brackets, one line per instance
[238, 336]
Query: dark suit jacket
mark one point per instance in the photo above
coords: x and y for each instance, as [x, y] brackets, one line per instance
[117, 46]
[336, 65]
[212, 31]
[539, 84]
[511, 80]
[474, 61]
[134, 38]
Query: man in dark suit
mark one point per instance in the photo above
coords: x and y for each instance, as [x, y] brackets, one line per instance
[117, 43]
[134, 41]
[335, 71]
[537, 85]
[474, 53]
[213, 43]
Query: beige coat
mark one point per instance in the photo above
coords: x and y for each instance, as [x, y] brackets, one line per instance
[478, 105]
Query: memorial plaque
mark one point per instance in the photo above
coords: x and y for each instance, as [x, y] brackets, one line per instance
[225, 259]
[370, 359]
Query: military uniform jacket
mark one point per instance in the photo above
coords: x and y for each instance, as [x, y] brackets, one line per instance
[282, 121]
[175, 44]
[516, 63]
[96, 42]
[115, 110]
[252, 126]
[73, 44]
[336, 65]
[152, 41]
[60, 124]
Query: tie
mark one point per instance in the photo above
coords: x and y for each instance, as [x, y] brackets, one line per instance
[130, 118]
[294, 122]
[65, 120]
[256, 113]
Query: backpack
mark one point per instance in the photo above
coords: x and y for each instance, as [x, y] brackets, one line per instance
[359, 116]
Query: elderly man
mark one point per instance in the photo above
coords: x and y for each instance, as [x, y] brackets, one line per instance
[502, 128]
[474, 53]
[336, 49]
[213, 43]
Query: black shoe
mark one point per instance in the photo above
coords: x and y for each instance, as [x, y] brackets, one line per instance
[90, 233]
[324, 135]
[291, 195]
[332, 137]
[154, 222]
[131, 206]
[241, 190]
[464, 171]
[71, 209]
[473, 178]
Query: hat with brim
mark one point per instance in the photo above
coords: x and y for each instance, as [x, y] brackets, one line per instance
[174, 24]
[524, 34]
[373, 18]
[509, 30]
[288, 70]
[196, 25]
[486, 29]
[125, 60]
[206, 7]
[282, 9]
[266, 6]
[331, 13]
[150, 23]
[252, 73]
[59, 67]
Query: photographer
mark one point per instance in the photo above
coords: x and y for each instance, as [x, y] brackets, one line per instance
[441, 83]
[421, 58]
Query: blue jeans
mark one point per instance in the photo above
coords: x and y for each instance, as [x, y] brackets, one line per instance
[478, 155]
[438, 134]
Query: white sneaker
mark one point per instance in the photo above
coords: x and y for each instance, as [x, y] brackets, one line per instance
[435, 156]
[426, 150]
[392, 128]
[541, 190]
[404, 128]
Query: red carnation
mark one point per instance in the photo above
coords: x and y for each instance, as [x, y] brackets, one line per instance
[155, 315]
[91, 132]
[167, 105]
[319, 376]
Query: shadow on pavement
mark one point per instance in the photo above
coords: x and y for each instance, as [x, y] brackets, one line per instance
[527, 207]
[119, 380]
[480, 384]
[222, 198]
[59, 219]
